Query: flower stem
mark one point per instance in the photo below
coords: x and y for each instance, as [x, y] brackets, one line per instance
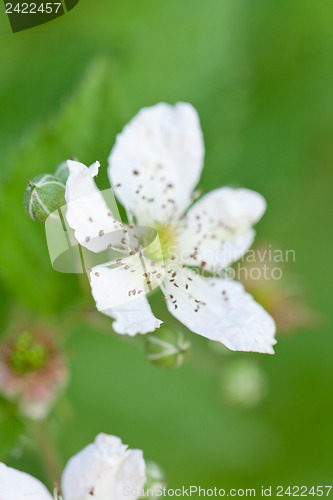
[49, 454]
[82, 260]
[63, 223]
[69, 242]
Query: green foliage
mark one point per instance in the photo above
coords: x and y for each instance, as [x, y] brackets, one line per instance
[11, 428]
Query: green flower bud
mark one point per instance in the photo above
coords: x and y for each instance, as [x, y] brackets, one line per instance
[156, 479]
[167, 347]
[62, 172]
[43, 196]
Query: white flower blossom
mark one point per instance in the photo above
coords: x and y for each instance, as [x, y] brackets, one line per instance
[154, 168]
[103, 470]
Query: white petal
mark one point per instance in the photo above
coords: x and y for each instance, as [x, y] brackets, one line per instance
[220, 310]
[218, 227]
[120, 292]
[103, 470]
[157, 161]
[87, 212]
[132, 318]
[17, 485]
[235, 207]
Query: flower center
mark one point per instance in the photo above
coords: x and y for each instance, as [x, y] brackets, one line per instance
[28, 355]
[166, 246]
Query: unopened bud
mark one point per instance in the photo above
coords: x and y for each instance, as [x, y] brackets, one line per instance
[62, 172]
[167, 347]
[44, 195]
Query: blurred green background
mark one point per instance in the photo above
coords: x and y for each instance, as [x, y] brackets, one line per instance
[261, 77]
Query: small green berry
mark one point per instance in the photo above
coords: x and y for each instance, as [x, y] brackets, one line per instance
[62, 172]
[44, 195]
[167, 347]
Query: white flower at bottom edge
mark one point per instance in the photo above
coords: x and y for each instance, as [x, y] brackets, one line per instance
[103, 470]
[153, 169]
